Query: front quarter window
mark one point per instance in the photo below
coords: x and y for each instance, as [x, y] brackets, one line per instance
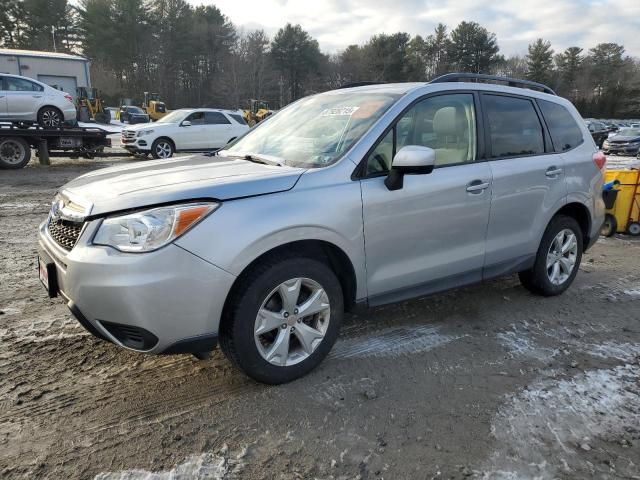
[316, 131]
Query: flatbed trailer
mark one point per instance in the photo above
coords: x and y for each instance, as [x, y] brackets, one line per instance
[17, 141]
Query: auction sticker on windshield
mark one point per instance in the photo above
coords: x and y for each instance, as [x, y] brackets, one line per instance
[339, 111]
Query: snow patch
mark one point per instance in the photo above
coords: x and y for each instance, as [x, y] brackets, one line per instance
[392, 342]
[542, 432]
[209, 466]
[519, 344]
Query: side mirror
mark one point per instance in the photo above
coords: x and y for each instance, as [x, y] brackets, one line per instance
[412, 159]
[186, 123]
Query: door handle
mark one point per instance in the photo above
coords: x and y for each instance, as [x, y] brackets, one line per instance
[36, 96]
[477, 186]
[553, 172]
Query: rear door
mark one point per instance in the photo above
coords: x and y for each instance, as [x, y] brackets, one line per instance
[218, 128]
[3, 98]
[24, 98]
[528, 181]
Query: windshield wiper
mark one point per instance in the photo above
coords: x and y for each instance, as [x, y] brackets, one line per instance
[257, 158]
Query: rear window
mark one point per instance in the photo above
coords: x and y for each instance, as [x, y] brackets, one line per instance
[215, 118]
[514, 127]
[237, 118]
[564, 130]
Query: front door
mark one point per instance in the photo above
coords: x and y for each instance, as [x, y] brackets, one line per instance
[429, 235]
[3, 99]
[191, 136]
[23, 98]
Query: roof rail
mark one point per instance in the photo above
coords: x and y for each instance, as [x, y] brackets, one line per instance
[357, 84]
[481, 78]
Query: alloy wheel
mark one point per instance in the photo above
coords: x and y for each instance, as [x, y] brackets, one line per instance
[561, 258]
[50, 118]
[163, 150]
[292, 321]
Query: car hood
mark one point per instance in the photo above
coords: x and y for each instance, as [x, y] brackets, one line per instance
[624, 138]
[164, 181]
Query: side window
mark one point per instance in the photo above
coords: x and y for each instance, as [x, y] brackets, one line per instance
[445, 123]
[514, 127]
[564, 131]
[238, 118]
[196, 118]
[22, 85]
[215, 118]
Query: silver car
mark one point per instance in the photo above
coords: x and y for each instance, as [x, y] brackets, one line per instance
[355, 197]
[23, 99]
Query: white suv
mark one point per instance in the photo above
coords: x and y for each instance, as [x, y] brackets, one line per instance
[23, 99]
[185, 130]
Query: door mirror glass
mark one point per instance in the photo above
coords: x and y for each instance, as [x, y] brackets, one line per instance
[412, 159]
[186, 123]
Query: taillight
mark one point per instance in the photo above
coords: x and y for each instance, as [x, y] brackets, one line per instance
[69, 97]
[600, 160]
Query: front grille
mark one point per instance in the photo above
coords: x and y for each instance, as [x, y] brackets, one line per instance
[64, 232]
[128, 135]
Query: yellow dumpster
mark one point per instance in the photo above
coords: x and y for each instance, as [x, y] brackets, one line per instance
[623, 207]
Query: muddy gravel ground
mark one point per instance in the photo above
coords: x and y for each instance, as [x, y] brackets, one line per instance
[484, 382]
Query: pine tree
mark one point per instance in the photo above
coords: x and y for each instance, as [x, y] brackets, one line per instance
[540, 61]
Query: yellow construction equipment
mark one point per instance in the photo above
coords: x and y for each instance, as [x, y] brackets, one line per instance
[622, 202]
[90, 106]
[153, 106]
[258, 110]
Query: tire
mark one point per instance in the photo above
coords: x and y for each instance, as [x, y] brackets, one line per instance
[554, 280]
[633, 229]
[50, 117]
[257, 291]
[162, 148]
[610, 226]
[15, 153]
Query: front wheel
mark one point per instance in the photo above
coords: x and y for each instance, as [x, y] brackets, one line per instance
[162, 148]
[283, 319]
[558, 258]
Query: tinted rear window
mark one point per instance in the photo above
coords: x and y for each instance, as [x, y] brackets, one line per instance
[514, 127]
[564, 130]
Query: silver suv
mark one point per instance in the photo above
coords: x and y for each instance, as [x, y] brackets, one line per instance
[359, 196]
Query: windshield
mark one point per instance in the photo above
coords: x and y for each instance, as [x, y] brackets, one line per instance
[316, 131]
[629, 132]
[173, 117]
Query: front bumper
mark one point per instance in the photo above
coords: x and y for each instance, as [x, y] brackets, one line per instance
[622, 150]
[167, 301]
[136, 145]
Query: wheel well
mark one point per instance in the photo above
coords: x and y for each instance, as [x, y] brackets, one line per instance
[52, 107]
[173, 144]
[580, 214]
[316, 249]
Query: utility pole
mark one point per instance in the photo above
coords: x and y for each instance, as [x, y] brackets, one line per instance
[53, 36]
[281, 85]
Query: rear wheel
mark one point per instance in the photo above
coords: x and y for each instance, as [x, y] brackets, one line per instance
[14, 153]
[610, 226]
[558, 258]
[50, 117]
[283, 319]
[162, 148]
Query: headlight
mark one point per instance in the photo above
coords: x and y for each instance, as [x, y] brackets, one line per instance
[151, 229]
[142, 133]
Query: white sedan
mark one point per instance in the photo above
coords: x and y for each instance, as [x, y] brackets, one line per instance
[185, 130]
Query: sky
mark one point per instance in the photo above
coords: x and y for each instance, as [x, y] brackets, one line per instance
[339, 23]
